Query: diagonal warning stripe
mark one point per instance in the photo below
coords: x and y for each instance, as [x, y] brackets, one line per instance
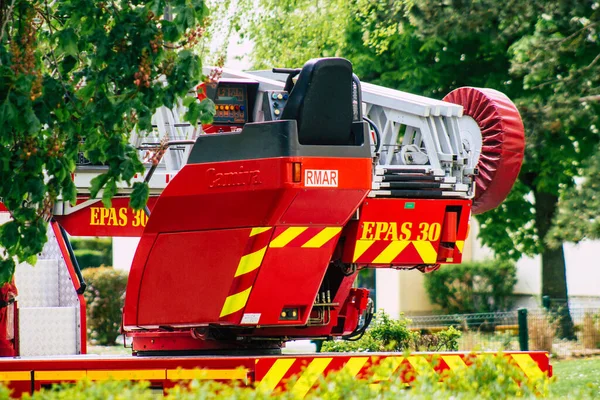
[420, 364]
[275, 374]
[454, 362]
[391, 251]
[361, 247]
[355, 364]
[322, 237]
[235, 302]
[426, 251]
[256, 231]
[528, 365]
[309, 376]
[287, 236]
[250, 262]
[386, 368]
[460, 244]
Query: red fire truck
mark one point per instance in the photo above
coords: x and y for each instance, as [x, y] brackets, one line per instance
[258, 224]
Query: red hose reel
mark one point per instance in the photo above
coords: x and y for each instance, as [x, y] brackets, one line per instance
[503, 137]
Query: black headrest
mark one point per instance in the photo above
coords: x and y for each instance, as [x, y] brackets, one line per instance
[321, 102]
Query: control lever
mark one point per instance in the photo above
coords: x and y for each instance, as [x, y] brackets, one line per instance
[286, 70]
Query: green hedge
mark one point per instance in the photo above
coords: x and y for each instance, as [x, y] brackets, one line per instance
[473, 287]
[92, 253]
[104, 296]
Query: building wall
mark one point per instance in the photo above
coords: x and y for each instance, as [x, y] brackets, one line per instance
[582, 265]
[123, 252]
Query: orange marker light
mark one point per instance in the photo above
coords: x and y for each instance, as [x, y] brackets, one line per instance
[296, 172]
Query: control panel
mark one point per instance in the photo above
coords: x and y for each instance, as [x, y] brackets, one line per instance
[231, 104]
[234, 102]
[274, 102]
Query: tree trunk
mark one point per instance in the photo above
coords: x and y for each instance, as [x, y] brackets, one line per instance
[554, 274]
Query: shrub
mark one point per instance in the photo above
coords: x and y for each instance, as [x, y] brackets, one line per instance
[542, 330]
[104, 296]
[590, 334]
[444, 340]
[387, 334]
[91, 253]
[474, 287]
[384, 334]
[91, 258]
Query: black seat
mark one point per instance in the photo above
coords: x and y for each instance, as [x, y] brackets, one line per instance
[321, 103]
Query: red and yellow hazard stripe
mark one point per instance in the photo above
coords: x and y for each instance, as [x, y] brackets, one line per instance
[260, 240]
[389, 252]
[271, 374]
[246, 273]
[125, 375]
[274, 374]
[304, 236]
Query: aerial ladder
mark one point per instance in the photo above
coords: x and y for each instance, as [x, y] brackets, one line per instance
[258, 224]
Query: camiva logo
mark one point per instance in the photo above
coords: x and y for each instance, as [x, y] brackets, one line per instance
[234, 178]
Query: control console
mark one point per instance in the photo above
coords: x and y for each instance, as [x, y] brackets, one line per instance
[274, 102]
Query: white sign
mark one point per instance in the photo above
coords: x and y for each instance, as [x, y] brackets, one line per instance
[321, 177]
[251, 318]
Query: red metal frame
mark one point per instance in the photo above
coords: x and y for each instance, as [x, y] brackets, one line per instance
[268, 373]
[82, 304]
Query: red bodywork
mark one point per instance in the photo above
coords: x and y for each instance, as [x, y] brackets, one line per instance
[407, 232]
[238, 243]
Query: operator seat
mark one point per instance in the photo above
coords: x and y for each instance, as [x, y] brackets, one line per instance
[321, 103]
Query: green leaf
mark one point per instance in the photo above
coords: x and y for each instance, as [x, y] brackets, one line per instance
[127, 170]
[171, 31]
[67, 42]
[193, 113]
[9, 233]
[189, 100]
[97, 183]
[69, 191]
[7, 270]
[139, 195]
[31, 260]
[8, 113]
[207, 111]
[37, 189]
[110, 189]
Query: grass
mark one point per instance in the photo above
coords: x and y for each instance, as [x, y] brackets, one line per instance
[572, 375]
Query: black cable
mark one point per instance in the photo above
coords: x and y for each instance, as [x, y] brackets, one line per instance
[369, 313]
[377, 134]
[82, 284]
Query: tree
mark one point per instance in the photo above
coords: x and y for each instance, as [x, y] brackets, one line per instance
[579, 212]
[80, 75]
[542, 54]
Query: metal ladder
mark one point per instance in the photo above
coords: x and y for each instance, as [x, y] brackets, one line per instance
[427, 148]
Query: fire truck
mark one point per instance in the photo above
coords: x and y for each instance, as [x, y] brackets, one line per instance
[258, 224]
